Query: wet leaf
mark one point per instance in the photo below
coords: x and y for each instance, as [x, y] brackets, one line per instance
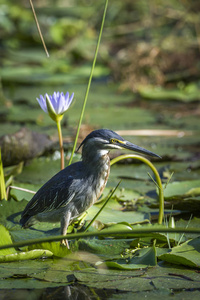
[10, 254]
[187, 254]
[183, 189]
[110, 215]
[106, 249]
[193, 222]
[5, 239]
[112, 279]
[184, 195]
[36, 253]
[145, 257]
[10, 212]
[25, 193]
[55, 248]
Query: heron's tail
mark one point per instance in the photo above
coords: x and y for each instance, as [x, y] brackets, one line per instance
[27, 221]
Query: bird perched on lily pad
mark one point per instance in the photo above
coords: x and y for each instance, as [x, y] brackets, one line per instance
[73, 190]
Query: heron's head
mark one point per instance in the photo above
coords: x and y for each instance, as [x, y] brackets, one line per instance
[103, 140]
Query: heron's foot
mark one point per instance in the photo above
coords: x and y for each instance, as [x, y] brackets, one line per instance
[64, 243]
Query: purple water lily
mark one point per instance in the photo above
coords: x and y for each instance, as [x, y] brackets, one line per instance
[58, 102]
[55, 106]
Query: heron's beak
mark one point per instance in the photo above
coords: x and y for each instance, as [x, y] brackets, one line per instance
[132, 147]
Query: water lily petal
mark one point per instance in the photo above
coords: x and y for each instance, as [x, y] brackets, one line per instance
[42, 103]
[61, 104]
[68, 100]
[67, 97]
[50, 109]
[57, 104]
[54, 101]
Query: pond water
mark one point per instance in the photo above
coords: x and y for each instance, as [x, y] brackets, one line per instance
[168, 128]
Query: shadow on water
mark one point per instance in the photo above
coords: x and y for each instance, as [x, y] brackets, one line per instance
[75, 292]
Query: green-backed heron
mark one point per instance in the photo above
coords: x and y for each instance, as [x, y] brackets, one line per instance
[73, 190]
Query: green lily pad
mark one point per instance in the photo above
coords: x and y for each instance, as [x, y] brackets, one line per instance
[5, 239]
[106, 249]
[26, 192]
[184, 189]
[111, 215]
[36, 253]
[23, 274]
[146, 257]
[184, 195]
[189, 93]
[10, 254]
[187, 254]
[10, 212]
[194, 222]
[55, 248]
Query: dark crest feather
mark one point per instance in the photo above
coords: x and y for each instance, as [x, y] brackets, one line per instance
[101, 133]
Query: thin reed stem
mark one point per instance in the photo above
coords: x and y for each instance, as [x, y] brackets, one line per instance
[38, 27]
[89, 82]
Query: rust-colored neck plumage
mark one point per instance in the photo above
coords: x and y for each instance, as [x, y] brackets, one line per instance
[97, 164]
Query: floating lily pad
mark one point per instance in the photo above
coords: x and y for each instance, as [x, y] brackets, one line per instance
[184, 189]
[187, 254]
[10, 254]
[189, 93]
[146, 257]
[5, 240]
[110, 215]
[184, 195]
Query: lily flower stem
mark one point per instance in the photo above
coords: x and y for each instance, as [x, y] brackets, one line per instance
[62, 162]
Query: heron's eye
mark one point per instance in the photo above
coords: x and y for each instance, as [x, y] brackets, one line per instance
[116, 141]
[113, 141]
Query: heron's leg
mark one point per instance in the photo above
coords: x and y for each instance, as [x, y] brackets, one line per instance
[64, 225]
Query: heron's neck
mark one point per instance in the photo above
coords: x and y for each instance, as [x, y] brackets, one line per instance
[97, 168]
[95, 159]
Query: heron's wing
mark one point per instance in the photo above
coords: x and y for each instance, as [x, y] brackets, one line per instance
[56, 193]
